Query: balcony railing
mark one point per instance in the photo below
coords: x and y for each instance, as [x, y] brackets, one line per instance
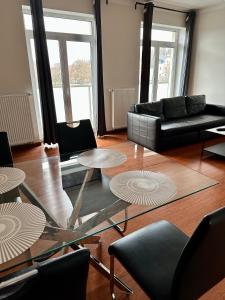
[81, 102]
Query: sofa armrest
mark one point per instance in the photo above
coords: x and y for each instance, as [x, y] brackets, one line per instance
[144, 130]
[215, 109]
[132, 108]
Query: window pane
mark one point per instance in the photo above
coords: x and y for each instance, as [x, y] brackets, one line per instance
[79, 60]
[67, 25]
[152, 73]
[166, 57]
[63, 25]
[36, 85]
[163, 35]
[54, 59]
[28, 22]
[141, 33]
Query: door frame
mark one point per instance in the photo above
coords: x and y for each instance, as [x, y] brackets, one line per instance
[62, 38]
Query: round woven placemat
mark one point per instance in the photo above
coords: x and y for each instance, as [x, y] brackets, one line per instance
[143, 188]
[101, 158]
[21, 224]
[10, 178]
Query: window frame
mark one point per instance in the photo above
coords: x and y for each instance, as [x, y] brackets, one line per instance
[163, 44]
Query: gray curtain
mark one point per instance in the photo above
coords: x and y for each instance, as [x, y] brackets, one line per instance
[146, 52]
[44, 73]
[186, 65]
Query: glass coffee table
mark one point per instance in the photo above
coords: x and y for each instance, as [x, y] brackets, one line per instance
[218, 149]
[56, 187]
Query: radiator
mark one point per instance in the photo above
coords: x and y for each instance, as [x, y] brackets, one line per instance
[16, 118]
[121, 99]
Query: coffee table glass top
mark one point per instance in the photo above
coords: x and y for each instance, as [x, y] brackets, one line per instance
[77, 201]
[218, 148]
[218, 130]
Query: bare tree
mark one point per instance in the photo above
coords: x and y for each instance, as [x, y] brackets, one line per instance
[79, 72]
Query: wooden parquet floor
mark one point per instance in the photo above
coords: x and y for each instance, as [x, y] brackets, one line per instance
[184, 214]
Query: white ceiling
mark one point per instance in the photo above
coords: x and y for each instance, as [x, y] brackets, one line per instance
[195, 4]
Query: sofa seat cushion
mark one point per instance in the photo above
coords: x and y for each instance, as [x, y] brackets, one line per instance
[193, 123]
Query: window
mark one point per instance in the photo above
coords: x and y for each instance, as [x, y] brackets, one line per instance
[163, 62]
[71, 49]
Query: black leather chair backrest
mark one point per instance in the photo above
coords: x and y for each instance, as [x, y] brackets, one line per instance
[5, 150]
[202, 263]
[75, 140]
[61, 278]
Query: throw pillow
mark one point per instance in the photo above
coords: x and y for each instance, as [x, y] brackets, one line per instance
[151, 108]
[195, 104]
[174, 108]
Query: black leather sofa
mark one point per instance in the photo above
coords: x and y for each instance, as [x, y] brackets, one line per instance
[171, 122]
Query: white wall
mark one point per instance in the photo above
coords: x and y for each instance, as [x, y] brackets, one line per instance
[208, 63]
[121, 45]
[121, 25]
[120, 31]
[14, 68]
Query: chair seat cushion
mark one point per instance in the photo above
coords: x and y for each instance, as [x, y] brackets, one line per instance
[150, 255]
[96, 195]
[193, 123]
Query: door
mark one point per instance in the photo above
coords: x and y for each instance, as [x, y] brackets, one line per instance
[71, 63]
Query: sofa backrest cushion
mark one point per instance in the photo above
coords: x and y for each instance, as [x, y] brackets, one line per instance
[195, 104]
[174, 108]
[151, 108]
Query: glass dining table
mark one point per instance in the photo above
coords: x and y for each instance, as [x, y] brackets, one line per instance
[78, 203]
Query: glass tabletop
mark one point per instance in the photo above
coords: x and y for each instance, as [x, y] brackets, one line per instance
[78, 203]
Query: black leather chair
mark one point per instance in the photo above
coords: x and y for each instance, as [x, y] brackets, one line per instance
[6, 160]
[61, 278]
[5, 150]
[74, 138]
[168, 265]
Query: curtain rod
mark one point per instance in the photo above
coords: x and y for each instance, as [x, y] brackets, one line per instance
[160, 7]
